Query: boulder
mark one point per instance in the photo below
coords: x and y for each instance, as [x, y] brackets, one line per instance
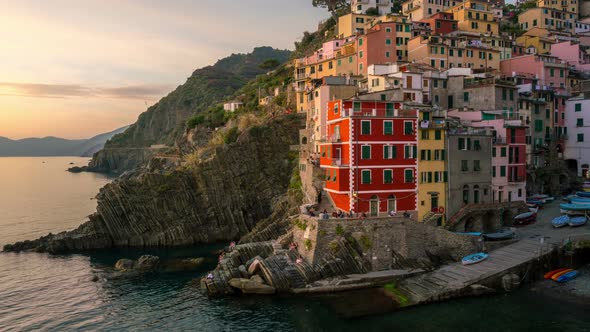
[254, 267]
[257, 279]
[248, 286]
[148, 263]
[124, 264]
[243, 271]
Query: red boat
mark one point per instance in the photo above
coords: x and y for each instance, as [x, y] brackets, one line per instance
[525, 218]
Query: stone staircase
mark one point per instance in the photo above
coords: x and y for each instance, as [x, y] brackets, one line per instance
[431, 218]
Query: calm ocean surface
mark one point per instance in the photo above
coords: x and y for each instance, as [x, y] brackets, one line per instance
[39, 292]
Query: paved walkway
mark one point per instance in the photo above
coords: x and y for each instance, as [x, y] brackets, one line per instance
[536, 240]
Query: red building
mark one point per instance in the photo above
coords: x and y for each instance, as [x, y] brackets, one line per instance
[369, 157]
[441, 23]
[378, 46]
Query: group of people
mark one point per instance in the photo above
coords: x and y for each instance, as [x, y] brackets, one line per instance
[326, 215]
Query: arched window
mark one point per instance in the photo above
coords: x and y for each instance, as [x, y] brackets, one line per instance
[304, 140]
[466, 194]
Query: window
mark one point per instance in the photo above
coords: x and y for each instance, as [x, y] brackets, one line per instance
[476, 166]
[366, 177]
[365, 127]
[408, 128]
[409, 176]
[580, 137]
[551, 72]
[503, 152]
[424, 134]
[387, 29]
[493, 152]
[511, 94]
[389, 152]
[366, 152]
[388, 127]
[336, 108]
[538, 125]
[503, 171]
[387, 176]
[464, 165]
[561, 73]
[356, 106]
[493, 171]
[360, 42]
[462, 145]
[578, 107]
[361, 54]
[476, 145]
[465, 96]
[504, 93]
[387, 41]
[387, 54]
[437, 135]
[389, 109]
[410, 152]
[580, 122]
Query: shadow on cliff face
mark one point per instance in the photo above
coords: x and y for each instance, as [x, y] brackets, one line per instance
[218, 199]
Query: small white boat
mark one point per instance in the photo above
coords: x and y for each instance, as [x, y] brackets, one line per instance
[475, 258]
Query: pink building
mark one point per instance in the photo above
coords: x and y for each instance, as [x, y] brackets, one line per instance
[572, 53]
[508, 155]
[549, 70]
[378, 46]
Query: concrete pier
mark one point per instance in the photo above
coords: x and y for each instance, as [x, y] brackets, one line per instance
[535, 253]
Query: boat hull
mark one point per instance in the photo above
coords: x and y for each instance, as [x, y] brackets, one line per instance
[550, 274]
[567, 277]
[559, 274]
[474, 259]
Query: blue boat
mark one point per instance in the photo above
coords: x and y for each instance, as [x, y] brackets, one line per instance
[580, 200]
[505, 234]
[475, 258]
[469, 233]
[560, 221]
[583, 194]
[578, 221]
[565, 208]
[535, 201]
[568, 276]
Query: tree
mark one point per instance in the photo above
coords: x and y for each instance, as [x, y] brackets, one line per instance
[270, 64]
[372, 11]
[331, 5]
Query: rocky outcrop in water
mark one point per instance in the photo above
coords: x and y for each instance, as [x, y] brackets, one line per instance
[220, 198]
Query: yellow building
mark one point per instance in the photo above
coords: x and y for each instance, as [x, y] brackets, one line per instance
[417, 10]
[537, 38]
[433, 175]
[310, 70]
[547, 18]
[352, 24]
[475, 16]
[571, 6]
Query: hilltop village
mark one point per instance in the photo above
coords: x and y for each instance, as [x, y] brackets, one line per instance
[425, 129]
[445, 105]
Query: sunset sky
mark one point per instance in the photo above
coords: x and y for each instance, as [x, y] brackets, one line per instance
[73, 69]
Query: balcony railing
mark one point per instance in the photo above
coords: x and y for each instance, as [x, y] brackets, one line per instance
[436, 124]
[337, 162]
[499, 140]
[514, 179]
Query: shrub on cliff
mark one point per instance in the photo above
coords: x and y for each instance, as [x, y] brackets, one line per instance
[231, 136]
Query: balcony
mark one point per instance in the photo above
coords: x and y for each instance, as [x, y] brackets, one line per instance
[337, 162]
[499, 140]
[515, 179]
[436, 124]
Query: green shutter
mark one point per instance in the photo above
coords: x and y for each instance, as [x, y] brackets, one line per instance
[415, 150]
[494, 152]
[429, 154]
[436, 179]
[465, 96]
[365, 127]
[408, 128]
[443, 154]
[356, 106]
[503, 152]
[578, 107]
[429, 177]
[366, 177]
[385, 152]
[437, 134]
[387, 176]
[409, 176]
[502, 171]
[446, 176]
[388, 127]
[366, 152]
[493, 171]
[422, 154]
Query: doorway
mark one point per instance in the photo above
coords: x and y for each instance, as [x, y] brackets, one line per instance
[374, 206]
[434, 203]
[391, 204]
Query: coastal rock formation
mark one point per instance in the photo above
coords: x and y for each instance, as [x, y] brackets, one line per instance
[149, 263]
[220, 198]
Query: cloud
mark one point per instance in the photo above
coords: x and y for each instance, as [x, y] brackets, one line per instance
[38, 90]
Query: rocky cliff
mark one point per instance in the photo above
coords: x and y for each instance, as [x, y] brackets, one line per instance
[165, 122]
[219, 198]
